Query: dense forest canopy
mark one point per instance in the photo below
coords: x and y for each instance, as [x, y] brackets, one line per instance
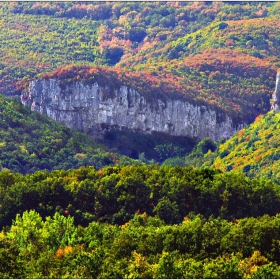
[153, 227]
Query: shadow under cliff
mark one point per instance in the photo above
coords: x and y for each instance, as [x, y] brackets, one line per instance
[157, 146]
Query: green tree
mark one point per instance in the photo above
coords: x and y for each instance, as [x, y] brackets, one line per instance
[60, 231]
[139, 268]
[167, 211]
[26, 231]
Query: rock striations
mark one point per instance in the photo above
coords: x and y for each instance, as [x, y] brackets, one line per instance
[276, 95]
[89, 108]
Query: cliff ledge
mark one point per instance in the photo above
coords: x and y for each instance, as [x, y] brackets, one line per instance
[90, 109]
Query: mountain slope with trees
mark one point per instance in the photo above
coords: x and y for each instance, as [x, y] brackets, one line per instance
[185, 37]
[253, 151]
[256, 37]
[31, 141]
[124, 33]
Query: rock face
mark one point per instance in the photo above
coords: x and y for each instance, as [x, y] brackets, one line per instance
[91, 109]
[276, 95]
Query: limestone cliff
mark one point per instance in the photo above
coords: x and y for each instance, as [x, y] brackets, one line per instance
[89, 108]
[276, 95]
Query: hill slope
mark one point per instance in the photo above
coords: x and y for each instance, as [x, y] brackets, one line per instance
[30, 142]
[39, 37]
[256, 37]
[254, 150]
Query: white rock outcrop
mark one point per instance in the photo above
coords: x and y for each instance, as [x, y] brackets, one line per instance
[276, 95]
[92, 110]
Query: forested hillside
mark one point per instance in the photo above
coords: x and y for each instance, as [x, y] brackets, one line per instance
[154, 224]
[30, 141]
[223, 54]
[43, 36]
[254, 150]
